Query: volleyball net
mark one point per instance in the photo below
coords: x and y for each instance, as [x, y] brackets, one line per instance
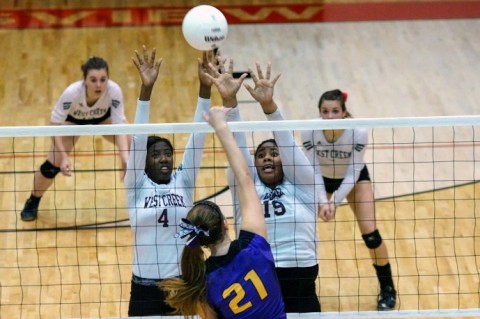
[74, 260]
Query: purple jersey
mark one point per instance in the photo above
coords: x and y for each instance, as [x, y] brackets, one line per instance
[243, 283]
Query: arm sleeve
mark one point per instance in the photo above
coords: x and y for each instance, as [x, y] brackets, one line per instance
[357, 162]
[138, 149]
[296, 166]
[62, 107]
[240, 138]
[118, 108]
[309, 150]
[192, 156]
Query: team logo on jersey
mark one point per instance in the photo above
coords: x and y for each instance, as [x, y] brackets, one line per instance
[308, 145]
[66, 105]
[359, 147]
[95, 113]
[115, 103]
[166, 200]
[333, 154]
[276, 193]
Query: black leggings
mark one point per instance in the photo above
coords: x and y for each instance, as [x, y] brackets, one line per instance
[298, 288]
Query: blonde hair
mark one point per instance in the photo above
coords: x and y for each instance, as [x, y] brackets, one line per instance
[188, 293]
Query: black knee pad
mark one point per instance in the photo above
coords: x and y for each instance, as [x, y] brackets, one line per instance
[372, 240]
[49, 170]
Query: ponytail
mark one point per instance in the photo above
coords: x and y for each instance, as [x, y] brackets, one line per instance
[188, 293]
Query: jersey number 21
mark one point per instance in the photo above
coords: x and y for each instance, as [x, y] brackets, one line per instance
[237, 288]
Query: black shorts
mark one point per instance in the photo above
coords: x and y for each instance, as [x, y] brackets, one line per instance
[147, 299]
[298, 288]
[332, 184]
[89, 121]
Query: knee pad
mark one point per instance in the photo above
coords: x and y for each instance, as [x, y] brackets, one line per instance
[372, 240]
[49, 170]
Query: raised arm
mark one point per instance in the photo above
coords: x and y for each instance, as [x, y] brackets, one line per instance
[252, 215]
[228, 87]
[148, 69]
[296, 166]
[192, 157]
[264, 87]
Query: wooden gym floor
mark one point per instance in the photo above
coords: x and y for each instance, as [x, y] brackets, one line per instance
[391, 63]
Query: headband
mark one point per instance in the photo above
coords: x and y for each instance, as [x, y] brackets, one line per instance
[209, 204]
[189, 229]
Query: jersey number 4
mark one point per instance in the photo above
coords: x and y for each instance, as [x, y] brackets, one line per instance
[163, 219]
[237, 304]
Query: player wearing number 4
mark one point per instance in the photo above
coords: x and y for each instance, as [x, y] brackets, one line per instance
[238, 279]
[337, 156]
[157, 197]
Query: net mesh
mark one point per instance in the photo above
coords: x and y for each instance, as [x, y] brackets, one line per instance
[74, 261]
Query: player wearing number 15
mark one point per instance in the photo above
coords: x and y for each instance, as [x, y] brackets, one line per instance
[157, 196]
[238, 280]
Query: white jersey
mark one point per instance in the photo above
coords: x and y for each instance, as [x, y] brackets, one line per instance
[342, 159]
[290, 209]
[155, 210]
[73, 103]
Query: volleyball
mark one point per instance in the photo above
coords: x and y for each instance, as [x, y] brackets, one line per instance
[205, 27]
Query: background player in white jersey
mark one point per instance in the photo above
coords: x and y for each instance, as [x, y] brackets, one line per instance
[338, 159]
[284, 180]
[158, 197]
[94, 100]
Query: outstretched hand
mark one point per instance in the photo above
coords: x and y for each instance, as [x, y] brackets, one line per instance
[223, 79]
[263, 90]
[217, 116]
[204, 72]
[147, 67]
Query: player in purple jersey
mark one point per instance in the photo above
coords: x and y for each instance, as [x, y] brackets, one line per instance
[285, 185]
[238, 280]
[338, 158]
[95, 100]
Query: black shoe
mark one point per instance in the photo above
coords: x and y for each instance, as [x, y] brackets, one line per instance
[387, 299]
[29, 211]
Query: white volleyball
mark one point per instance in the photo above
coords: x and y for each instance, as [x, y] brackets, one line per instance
[205, 27]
